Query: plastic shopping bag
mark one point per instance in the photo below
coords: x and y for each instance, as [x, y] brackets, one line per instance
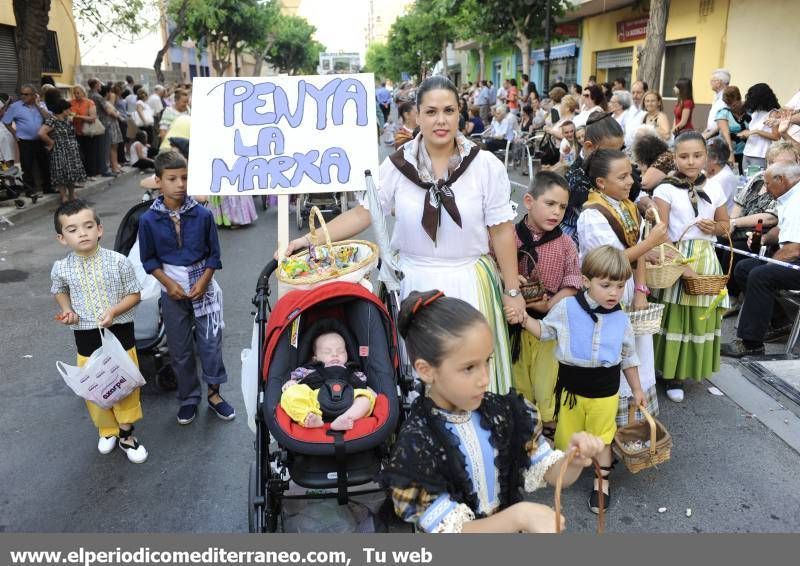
[250, 379]
[108, 376]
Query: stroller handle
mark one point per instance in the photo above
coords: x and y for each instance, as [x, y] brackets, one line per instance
[263, 279]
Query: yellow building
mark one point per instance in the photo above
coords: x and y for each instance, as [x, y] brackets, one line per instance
[762, 46]
[695, 47]
[61, 54]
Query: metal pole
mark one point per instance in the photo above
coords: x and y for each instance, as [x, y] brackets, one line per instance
[546, 82]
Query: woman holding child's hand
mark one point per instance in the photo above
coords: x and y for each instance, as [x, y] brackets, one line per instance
[451, 201]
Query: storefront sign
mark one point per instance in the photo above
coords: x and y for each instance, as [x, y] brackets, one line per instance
[632, 30]
[567, 30]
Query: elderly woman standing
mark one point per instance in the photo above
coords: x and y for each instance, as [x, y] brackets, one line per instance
[618, 105]
[451, 201]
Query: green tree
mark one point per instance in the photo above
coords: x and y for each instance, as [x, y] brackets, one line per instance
[225, 27]
[469, 24]
[293, 49]
[379, 61]
[32, 17]
[519, 21]
[415, 42]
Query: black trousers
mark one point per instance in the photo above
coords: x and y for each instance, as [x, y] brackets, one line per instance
[88, 148]
[761, 282]
[35, 163]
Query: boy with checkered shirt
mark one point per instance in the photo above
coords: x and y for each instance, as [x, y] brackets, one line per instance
[95, 287]
[550, 257]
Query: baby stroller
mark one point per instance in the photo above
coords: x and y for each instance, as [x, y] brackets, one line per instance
[332, 204]
[149, 329]
[327, 462]
[12, 186]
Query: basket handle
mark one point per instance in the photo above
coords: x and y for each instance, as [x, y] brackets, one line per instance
[601, 515]
[650, 421]
[533, 261]
[730, 243]
[312, 224]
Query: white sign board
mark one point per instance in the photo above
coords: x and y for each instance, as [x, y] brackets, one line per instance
[282, 135]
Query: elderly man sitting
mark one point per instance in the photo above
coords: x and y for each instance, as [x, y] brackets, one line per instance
[501, 129]
[761, 281]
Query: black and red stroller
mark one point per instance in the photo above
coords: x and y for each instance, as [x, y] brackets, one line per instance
[328, 463]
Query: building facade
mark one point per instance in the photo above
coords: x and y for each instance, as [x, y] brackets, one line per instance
[61, 54]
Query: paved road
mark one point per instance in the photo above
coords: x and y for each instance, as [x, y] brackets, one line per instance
[734, 472]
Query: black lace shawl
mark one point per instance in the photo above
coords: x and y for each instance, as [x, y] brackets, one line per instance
[426, 454]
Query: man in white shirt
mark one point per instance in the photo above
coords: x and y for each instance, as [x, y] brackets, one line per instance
[718, 171]
[719, 80]
[155, 100]
[501, 129]
[762, 281]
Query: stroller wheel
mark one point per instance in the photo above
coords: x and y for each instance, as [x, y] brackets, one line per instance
[19, 203]
[165, 379]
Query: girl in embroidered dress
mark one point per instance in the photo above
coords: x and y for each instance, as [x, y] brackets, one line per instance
[463, 454]
[450, 200]
[689, 342]
[610, 218]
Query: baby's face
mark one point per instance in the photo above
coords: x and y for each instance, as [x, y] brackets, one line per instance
[330, 350]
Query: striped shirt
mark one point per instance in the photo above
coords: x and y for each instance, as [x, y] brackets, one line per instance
[95, 283]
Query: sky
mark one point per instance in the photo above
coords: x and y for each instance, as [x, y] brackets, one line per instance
[341, 26]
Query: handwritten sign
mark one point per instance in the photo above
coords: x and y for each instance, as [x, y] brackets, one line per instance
[282, 135]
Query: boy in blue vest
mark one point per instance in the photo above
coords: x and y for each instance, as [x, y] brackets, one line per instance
[179, 246]
[595, 342]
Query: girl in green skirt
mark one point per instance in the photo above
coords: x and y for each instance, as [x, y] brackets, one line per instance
[687, 346]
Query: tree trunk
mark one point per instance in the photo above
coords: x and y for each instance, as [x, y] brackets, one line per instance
[649, 69]
[32, 17]
[176, 31]
[524, 45]
[481, 63]
[444, 59]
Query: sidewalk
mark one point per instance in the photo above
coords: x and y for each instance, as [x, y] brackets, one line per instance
[10, 215]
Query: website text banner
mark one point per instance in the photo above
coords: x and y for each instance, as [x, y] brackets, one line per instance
[399, 550]
[282, 135]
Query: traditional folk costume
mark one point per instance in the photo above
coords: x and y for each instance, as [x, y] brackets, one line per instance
[449, 468]
[594, 344]
[607, 221]
[95, 283]
[688, 347]
[441, 232]
[552, 259]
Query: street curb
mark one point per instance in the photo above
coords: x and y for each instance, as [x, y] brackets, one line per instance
[47, 204]
[761, 406]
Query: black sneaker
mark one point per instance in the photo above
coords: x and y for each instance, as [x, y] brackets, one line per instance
[186, 414]
[594, 501]
[737, 349]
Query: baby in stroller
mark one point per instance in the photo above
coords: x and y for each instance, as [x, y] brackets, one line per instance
[327, 389]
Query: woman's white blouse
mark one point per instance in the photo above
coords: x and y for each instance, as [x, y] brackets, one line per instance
[483, 196]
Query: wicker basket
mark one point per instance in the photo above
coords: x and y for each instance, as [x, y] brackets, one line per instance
[366, 259]
[647, 321]
[665, 274]
[708, 284]
[652, 430]
[532, 290]
[601, 515]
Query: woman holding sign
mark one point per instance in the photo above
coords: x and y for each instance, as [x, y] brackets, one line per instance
[450, 200]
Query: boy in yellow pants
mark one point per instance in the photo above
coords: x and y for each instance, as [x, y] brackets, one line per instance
[95, 287]
[594, 342]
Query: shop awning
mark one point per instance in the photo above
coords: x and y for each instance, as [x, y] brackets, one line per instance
[556, 52]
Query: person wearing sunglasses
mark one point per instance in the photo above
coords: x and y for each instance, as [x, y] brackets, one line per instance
[27, 116]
